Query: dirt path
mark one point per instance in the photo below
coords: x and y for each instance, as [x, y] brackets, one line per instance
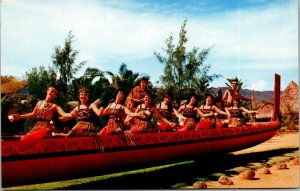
[286, 178]
[286, 140]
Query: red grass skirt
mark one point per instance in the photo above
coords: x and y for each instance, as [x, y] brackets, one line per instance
[221, 123]
[83, 128]
[236, 122]
[188, 124]
[113, 127]
[163, 126]
[206, 124]
[41, 129]
[141, 126]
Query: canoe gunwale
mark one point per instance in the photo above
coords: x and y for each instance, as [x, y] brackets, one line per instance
[17, 151]
[37, 168]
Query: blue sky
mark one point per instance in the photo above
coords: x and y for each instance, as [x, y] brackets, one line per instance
[252, 39]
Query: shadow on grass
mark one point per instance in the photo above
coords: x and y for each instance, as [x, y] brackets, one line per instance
[200, 168]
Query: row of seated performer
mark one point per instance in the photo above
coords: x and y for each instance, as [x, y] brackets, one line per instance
[134, 120]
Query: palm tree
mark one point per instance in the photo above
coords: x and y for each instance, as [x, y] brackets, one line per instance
[11, 85]
[11, 103]
[240, 84]
[96, 88]
[125, 79]
[89, 75]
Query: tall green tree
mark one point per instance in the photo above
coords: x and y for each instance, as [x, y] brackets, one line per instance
[39, 79]
[64, 61]
[185, 72]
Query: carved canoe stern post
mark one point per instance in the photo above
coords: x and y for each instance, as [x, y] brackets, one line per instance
[276, 109]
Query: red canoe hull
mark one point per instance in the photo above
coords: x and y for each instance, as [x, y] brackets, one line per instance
[56, 159]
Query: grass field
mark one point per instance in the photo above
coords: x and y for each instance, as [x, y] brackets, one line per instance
[172, 176]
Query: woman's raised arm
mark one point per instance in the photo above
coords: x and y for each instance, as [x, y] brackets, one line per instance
[131, 114]
[27, 115]
[219, 111]
[94, 107]
[202, 114]
[64, 116]
[248, 111]
[157, 114]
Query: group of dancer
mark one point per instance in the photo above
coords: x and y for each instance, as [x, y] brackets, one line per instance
[137, 114]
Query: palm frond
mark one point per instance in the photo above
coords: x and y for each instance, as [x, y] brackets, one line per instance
[10, 84]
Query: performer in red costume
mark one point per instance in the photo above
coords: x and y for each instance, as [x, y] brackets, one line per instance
[137, 94]
[235, 113]
[144, 124]
[208, 112]
[44, 114]
[85, 116]
[166, 109]
[189, 113]
[117, 114]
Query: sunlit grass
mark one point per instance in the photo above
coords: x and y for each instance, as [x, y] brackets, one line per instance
[201, 170]
[271, 161]
[81, 181]
[282, 158]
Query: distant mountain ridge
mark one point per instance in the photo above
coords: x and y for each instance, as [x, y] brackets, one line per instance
[258, 95]
[288, 97]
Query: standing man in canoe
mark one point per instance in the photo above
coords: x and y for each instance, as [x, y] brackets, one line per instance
[233, 93]
[137, 94]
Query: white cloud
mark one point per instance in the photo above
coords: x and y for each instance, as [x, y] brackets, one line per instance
[258, 86]
[254, 35]
[107, 36]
